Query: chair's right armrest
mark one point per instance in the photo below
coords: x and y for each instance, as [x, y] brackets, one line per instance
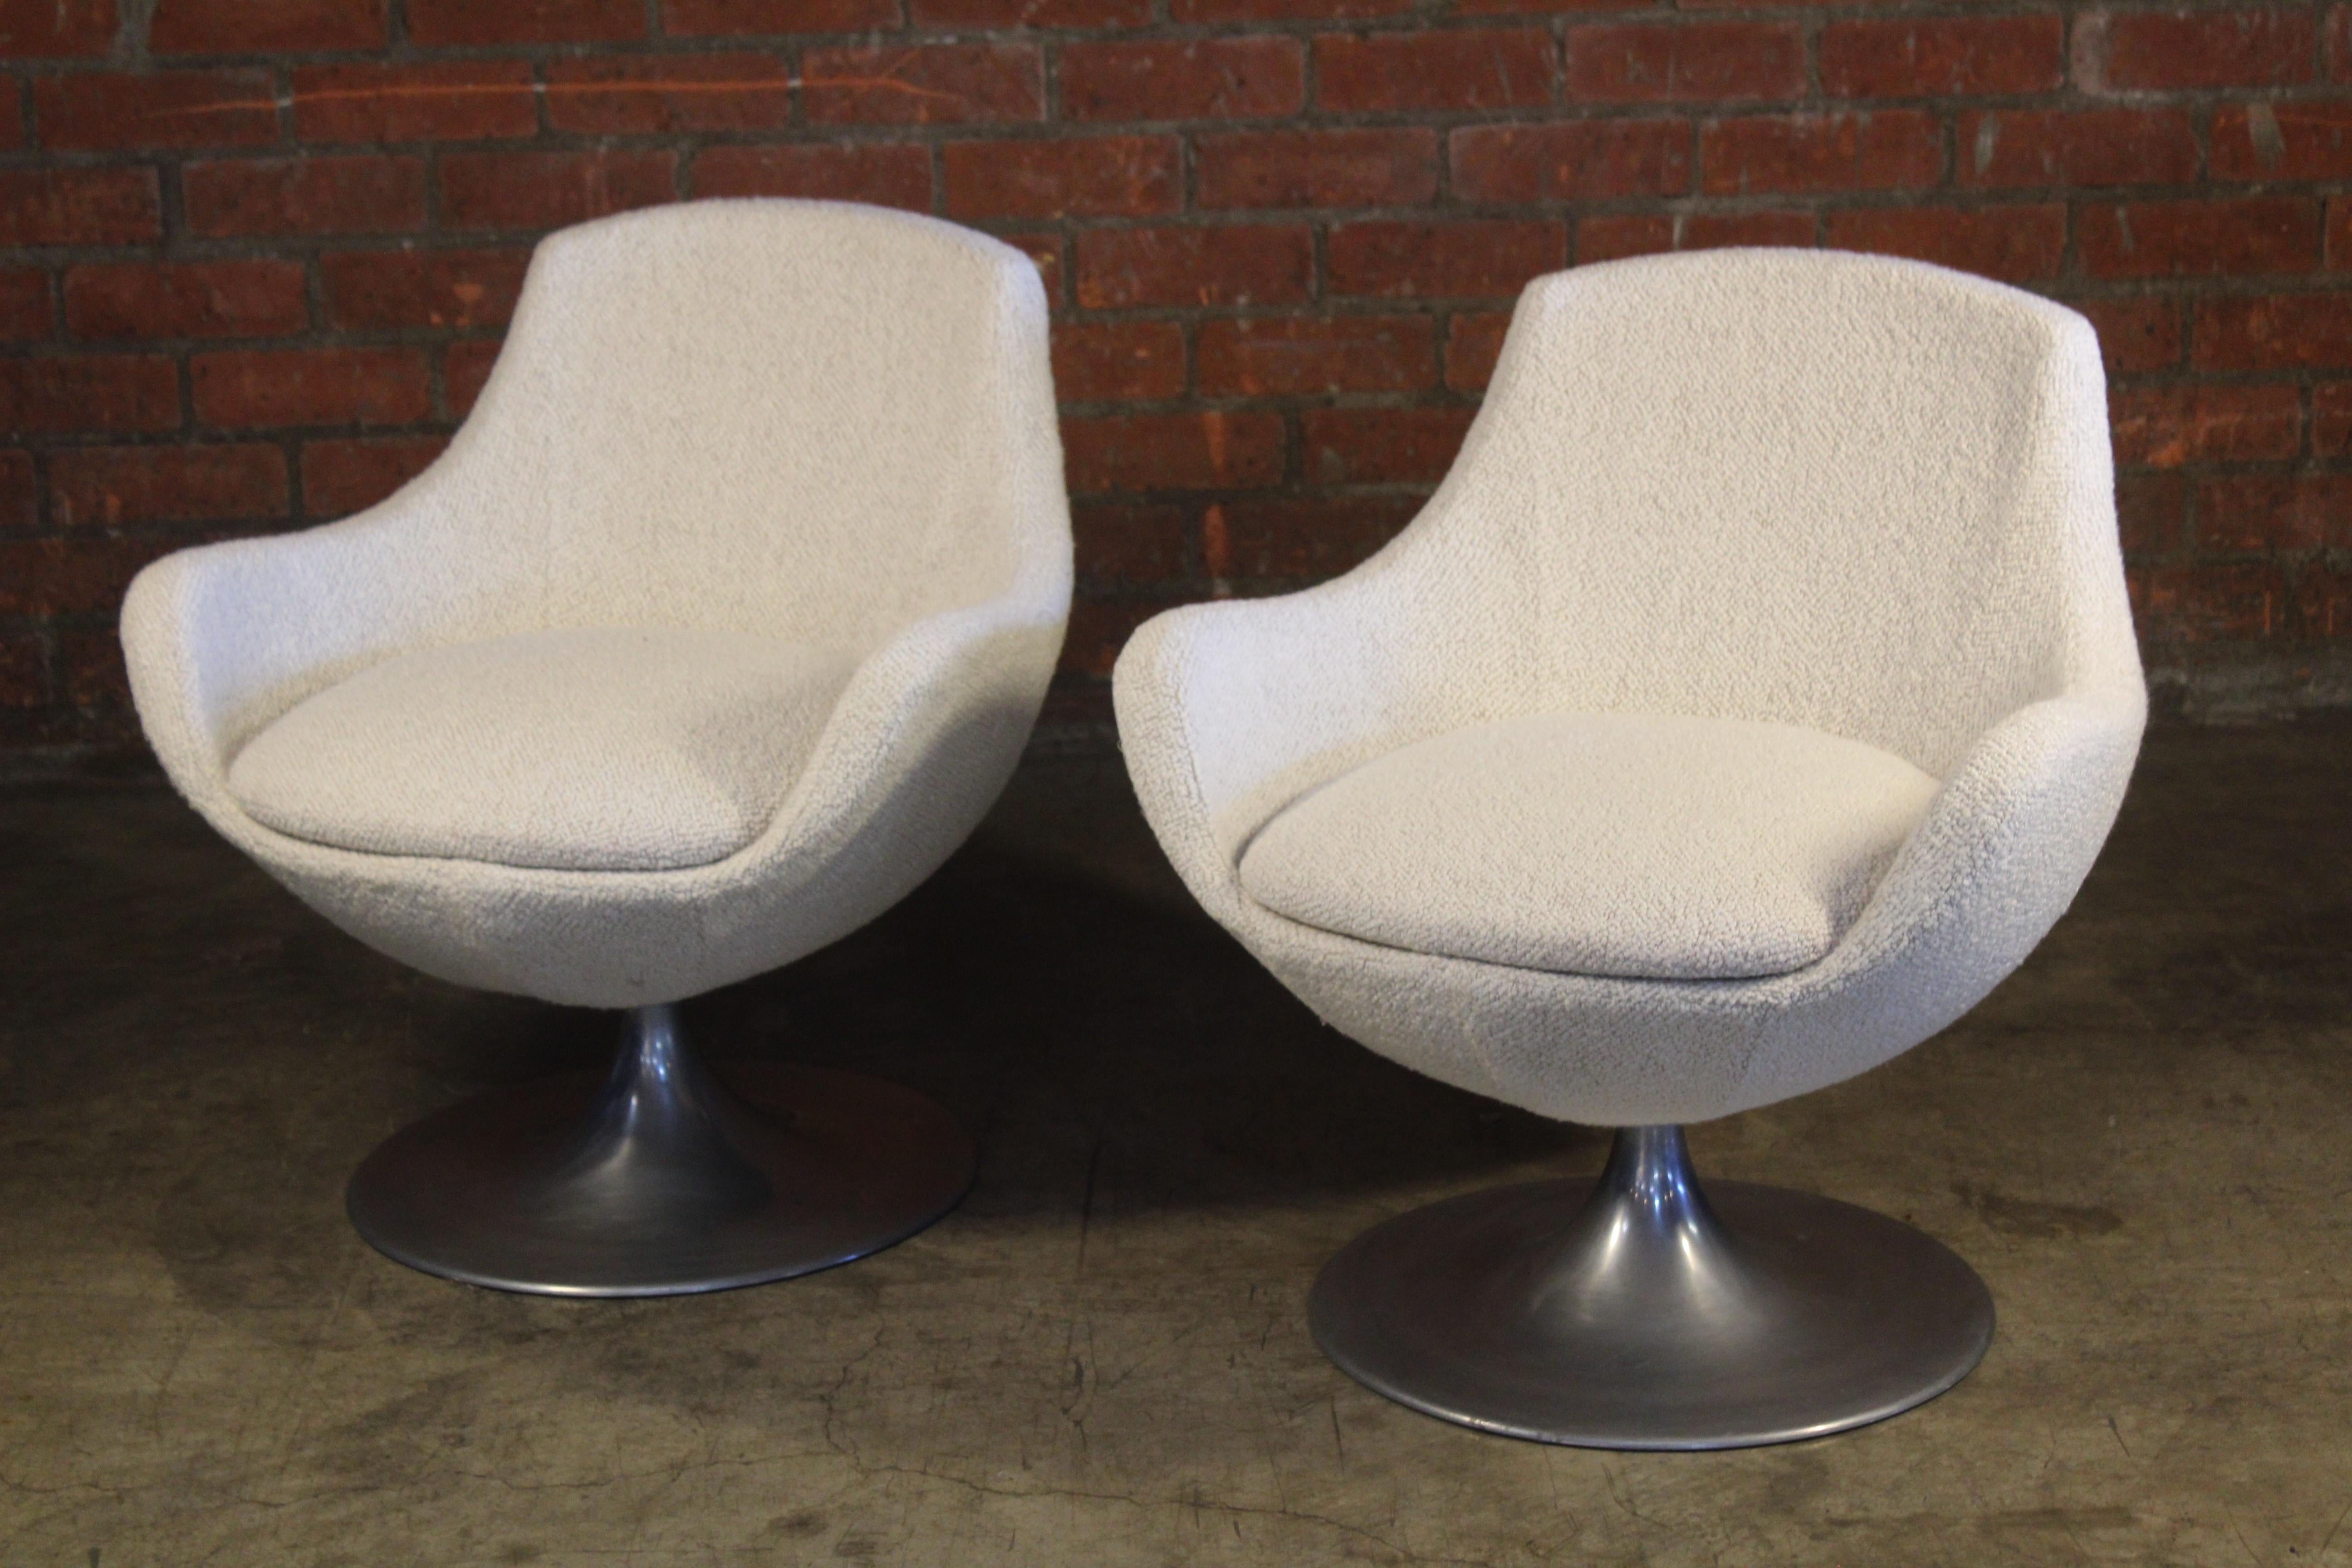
[220, 640]
[1229, 710]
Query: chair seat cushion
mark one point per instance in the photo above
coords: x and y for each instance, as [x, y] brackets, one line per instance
[591, 749]
[1637, 845]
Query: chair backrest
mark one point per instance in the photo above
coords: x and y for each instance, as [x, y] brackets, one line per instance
[805, 418]
[1869, 496]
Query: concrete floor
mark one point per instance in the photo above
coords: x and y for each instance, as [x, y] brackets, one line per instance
[2144, 1141]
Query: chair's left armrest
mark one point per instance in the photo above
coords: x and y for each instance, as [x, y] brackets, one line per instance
[2006, 844]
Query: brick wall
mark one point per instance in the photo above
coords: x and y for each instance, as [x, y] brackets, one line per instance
[259, 253]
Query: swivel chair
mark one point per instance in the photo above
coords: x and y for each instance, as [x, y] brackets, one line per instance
[717, 626]
[1751, 697]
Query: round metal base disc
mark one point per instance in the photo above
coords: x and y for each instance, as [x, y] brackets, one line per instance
[829, 1166]
[1810, 1316]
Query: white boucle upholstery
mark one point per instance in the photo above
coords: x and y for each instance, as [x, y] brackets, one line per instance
[1651, 847]
[587, 749]
[1867, 497]
[807, 422]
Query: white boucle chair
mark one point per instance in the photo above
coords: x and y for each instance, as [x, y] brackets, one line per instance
[1752, 696]
[718, 625]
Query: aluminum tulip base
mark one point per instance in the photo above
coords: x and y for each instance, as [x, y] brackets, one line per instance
[1630, 1313]
[657, 1180]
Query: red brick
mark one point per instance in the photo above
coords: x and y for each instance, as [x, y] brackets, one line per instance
[110, 111]
[1440, 69]
[549, 190]
[2294, 139]
[1233, 265]
[2275, 512]
[1130, 542]
[2014, 244]
[1614, 237]
[1582, 160]
[185, 299]
[24, 304]
[1030, 13]
[437, 22]
[1933, 57]
[1538, 7]
[1471, 342]
[465, 367]
[1210, 450]
[341, 477]
[1206, 78]
[706, 18]
[2338, 42]
[20, 495]
[2272, 332]
[379, 290]
[1685, 61]
[924, 84]
[2323, 601]
[2135, 335]
[1714, 231]
[1100, 628]
[2086, 147]
[123, 487]
[1460, 260]
[1089, 176]
[89, 393]
[2337, 245]
[93, 669]
[1212, 12]
[13, 132]
[1887, 150]
[2175, 239]
[2165, 426]
[266, 27]
[1307, 537]
[669, 93]
[2209, 602]
[1390, 167]
[24, 672]
[2151, 513]
[263, 387]
[79, 206]
[242, 197]
[1272, 357]
[82, 575]
[2331, 419]
[2127, 51]
[1097, 361]
[57, 29]
[1381, 445]
[887, 173]
[443, 100]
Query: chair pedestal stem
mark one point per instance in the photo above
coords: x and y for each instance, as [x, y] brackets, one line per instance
[1633, 1312]
[662, 1176]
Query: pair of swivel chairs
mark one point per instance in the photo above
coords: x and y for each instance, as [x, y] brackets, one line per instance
[1753, 695]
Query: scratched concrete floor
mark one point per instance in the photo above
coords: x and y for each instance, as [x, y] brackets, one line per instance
[2144, 1141]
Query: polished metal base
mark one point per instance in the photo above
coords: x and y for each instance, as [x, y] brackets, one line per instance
[657, 1180]
[1630, 1314]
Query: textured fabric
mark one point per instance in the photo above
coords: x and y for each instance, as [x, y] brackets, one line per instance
[584, 750]
[811, 422]
[1636, 845]
[1868, 497]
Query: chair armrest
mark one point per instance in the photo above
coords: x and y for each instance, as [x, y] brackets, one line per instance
[942, 709]
[222, 638]
[1230, 709]
[2014, 830]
